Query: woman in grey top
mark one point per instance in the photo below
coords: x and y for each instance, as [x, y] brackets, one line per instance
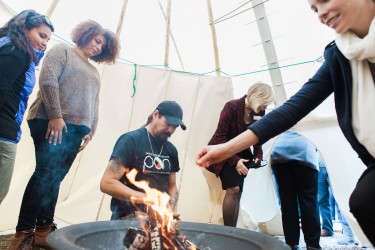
[62, 121]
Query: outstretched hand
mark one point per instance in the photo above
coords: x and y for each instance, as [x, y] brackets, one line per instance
[211, 154]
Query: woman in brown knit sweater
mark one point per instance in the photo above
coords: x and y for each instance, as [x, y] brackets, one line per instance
[235, 117]
[62, 121]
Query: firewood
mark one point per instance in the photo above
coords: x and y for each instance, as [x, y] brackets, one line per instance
[137, 239]
[155, 230]
[157, 236]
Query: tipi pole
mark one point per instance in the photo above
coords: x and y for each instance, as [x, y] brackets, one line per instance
[214, 40]
[167, 33]
[121, 20]
[173, 40]
[52, 8]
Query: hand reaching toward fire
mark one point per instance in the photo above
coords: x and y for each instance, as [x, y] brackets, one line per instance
[211, 154]
[54, 130]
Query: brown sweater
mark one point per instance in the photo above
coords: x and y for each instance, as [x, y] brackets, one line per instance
[68, 88]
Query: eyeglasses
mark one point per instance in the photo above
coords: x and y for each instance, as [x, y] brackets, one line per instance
[43, 17]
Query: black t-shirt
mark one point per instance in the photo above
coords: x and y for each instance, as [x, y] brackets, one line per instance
[153, 160]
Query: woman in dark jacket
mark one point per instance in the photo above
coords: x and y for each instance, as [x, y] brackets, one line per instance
[22, 42]
[349, 73]
[235, 117]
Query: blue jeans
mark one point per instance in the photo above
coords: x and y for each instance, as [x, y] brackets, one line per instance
[52, 164]
[323, 200]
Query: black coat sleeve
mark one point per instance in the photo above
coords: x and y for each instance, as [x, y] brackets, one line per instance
[13, 64]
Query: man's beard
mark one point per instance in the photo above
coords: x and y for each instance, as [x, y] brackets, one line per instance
[162, 136]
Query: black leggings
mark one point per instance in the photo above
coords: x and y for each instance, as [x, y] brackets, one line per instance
[362, 203]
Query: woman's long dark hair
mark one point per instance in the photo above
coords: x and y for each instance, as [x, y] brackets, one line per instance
[17, 27]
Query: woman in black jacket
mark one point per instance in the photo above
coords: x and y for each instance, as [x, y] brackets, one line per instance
[22, 43]
[349, 73]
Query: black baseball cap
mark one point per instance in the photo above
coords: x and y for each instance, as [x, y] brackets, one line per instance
[172, 113]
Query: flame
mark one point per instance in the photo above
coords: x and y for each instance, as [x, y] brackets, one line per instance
[157, 200]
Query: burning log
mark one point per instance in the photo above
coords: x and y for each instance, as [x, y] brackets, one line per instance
[160, 229]
[136, 239]
[159, 235]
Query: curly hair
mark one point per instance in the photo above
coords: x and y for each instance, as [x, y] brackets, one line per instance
[259, 94]
[85, 31]
[17, 29]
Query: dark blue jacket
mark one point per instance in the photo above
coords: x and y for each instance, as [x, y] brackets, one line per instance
[17, 80]
[333, 76]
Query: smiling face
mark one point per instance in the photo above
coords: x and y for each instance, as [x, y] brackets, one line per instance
[94, 47]
[39, 36]
[342, 15]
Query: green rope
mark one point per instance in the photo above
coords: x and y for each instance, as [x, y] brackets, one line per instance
[279, 67]
[134, 78]
[213, 71]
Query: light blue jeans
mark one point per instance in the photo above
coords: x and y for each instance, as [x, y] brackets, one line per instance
[7, 159]
[323, 200]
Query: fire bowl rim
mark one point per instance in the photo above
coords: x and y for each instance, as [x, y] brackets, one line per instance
[65, 238]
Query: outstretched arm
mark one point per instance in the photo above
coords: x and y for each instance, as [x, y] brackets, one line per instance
[216, 153]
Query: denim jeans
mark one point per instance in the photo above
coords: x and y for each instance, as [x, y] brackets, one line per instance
[298, 188]
[52, 164]
[7, 159]
[323, 200]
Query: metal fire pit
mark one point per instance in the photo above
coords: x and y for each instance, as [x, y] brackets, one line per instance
[110, 235]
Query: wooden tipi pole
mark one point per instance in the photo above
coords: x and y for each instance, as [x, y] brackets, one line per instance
[214, 40]
[121, 20]
[173, 40]
[52, 8]
[167, 34]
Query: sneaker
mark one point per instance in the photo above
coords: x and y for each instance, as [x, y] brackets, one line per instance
[323, 233]
[22, 240]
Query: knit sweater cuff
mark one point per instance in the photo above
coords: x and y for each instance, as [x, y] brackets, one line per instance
[51, 100]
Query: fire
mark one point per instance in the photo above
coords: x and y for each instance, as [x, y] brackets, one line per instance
[157, 200]
[160, 228]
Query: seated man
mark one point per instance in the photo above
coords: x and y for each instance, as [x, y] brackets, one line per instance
[147, 150]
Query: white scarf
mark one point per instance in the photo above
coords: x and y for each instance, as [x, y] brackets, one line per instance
[359, 51]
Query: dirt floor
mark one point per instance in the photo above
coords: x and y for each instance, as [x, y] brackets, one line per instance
[5, 240]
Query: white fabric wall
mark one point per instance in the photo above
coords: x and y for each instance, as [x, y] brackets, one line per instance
[80, 200]
[202, 98]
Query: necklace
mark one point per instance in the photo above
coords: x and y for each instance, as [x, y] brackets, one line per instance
[152, 151]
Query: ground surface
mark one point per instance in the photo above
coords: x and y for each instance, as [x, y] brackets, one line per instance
[330, 243]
